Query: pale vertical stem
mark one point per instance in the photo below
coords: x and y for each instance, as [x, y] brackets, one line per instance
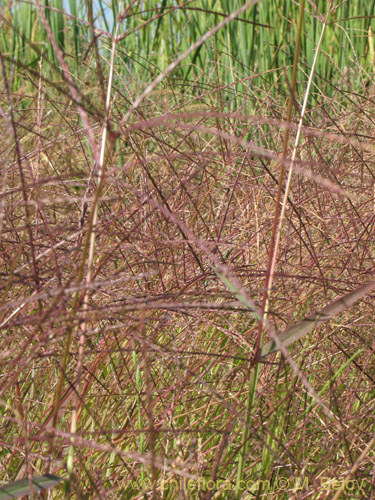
[39, 113]
[91, 252]
[294, 153]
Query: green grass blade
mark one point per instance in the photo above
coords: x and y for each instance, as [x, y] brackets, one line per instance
[24, 487]
[238, 294]
[75, 27]
[246, 431]
[326, 386]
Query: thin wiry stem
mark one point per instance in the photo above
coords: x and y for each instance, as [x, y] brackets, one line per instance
[253, 383]
[91, 252]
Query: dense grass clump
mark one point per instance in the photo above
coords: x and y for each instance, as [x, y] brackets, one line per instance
[186, 191]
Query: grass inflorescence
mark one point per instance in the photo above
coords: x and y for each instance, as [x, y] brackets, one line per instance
[186, 232]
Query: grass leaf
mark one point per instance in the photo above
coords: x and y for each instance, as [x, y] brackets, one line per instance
[24, 487]
[308, 324]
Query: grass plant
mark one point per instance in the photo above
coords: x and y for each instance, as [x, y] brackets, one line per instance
[186, 234]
